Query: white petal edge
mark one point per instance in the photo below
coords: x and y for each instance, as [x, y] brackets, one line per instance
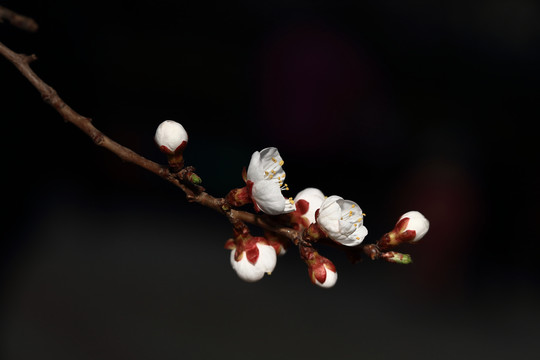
[331, 279]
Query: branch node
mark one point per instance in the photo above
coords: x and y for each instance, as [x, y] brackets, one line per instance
[49, 96]
[98, 138]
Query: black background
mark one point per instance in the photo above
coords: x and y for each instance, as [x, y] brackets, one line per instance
[397, 105]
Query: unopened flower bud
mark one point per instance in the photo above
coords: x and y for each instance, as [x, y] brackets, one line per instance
[322, 271]
[251, 257]
[323, 274]
[411, 227]
[307, 201]
[397, 258]
[172, 138]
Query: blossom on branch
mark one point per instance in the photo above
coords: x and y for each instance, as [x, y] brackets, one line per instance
[322, 271]
[265, 179]
[342, 220]
[251, 257]
[411, 227]
[307, 202]
[172, 138]
[313, 217]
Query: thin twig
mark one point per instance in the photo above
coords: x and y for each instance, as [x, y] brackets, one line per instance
[17, 20]
[50, 96]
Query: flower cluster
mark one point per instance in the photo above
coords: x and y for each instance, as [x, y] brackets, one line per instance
[311, 215]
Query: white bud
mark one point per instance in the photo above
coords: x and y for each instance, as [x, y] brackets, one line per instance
[171, 135]
[313, 198]
[417, 222]
[331, 278]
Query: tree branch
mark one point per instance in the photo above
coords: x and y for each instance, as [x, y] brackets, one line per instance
[17, 20]
[194, 193]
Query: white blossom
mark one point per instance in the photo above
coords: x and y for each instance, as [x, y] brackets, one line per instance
[342, 220]
[266, 177]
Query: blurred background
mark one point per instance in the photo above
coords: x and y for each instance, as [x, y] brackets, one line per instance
[397, 105]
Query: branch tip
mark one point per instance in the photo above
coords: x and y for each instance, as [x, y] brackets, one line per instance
[20, 21]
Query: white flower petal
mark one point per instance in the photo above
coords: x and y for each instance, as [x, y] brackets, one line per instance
[170, 134]
[255, 170]
[267, 195]
[342, 220]
[329, 215]
[355, 238]
[266, 164]
[246, 270]
[267, 258]
[270, 158]
[331, 279]
[417, 222]
[314, 198]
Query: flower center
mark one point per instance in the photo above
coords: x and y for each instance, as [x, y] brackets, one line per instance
[351, 214]
[274, 172]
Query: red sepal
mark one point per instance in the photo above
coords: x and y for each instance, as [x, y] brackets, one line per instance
[319, 273]
[239, 197]
[407, 236]
[180, 147]
[230, 245]
[302, 206]
[401, 225]
[244, 174]
[253, 254]
[249, 187]
[166, 150]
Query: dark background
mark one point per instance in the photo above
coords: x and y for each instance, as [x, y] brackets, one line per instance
[397, 105]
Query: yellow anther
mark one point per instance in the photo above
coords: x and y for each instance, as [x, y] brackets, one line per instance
[273, 171]
[271, 176]
[274, 159]
[353, 205]
[363, 214]
[357, 238]
[359, 219]
[266, 173]
[350, 213]
[291, 200]
[281, 163]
